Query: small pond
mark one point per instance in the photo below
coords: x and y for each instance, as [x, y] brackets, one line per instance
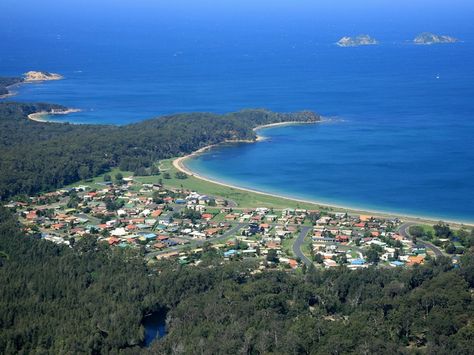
[155, 327]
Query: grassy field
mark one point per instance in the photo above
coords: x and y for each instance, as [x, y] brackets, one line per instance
[287, 246]
[242, 198]
[427, 228]
[97, 182]
[306, 247]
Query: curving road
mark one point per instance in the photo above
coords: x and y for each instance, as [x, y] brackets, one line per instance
[299, 242]
[404, 232]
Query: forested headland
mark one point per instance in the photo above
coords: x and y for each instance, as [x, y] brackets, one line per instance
[5, 82]
[38, 156]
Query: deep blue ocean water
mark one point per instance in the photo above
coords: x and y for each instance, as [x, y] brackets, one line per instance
[402, 116]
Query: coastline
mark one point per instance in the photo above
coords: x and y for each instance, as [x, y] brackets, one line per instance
[179, 164]
[6, 96]
[30, 80]
[40, 116]
[283, 124]
[10, 92]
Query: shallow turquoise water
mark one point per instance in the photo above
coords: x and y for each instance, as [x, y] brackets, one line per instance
[353, 163]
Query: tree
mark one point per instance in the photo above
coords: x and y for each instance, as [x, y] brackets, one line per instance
[119, 177]
[272, 256]
[107, 178]
[141, 171]
[157, 197]
[73, 202]
[466, 238]
[372, 255]
[416, 231]
[318, 258]
[341, 259]
[442, 230]
[84, 172]
[180, 175]
[396, 254]
[450, 248]
[154, 170]
[429, 235]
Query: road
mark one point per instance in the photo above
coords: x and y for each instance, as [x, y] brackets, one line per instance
[299, 243]
[197, 242]
[404, 232]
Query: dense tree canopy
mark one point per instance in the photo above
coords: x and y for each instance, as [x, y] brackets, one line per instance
[92, 299]
[40, 156]
[5, 82]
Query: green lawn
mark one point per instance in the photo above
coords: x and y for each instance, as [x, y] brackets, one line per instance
[306, 246]
[427, 228]
[243, 199]
[95, 183]
[220, 217]
[287, 246]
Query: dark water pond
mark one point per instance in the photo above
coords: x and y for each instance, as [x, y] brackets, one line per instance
[155, 327]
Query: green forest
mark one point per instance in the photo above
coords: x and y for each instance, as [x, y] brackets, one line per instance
[39, 156]
[5, 82]
[92, 299]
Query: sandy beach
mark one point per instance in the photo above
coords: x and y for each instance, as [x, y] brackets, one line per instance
[10, 89]
[179, 164]
[282, 124]
[40, 116]
[6, 96]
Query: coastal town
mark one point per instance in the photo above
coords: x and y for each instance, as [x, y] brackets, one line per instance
[183, 225]
[236, 177]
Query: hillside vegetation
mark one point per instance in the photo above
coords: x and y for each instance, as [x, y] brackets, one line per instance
[5, 82]
[40, 156]
[92, 299]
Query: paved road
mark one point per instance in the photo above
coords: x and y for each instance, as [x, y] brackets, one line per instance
[195, 242]
[404, 231]
[299, 242]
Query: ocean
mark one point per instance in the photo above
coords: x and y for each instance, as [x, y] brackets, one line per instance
[399, 123]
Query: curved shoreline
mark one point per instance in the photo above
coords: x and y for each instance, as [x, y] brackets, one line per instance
[29, 80]
[39, 116]
[10, 88]
[179, 164]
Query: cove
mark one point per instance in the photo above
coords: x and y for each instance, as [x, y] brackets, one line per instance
[376, 165]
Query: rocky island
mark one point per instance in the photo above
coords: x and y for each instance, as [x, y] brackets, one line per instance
[34, 76]
[427, 38]
[361, 40]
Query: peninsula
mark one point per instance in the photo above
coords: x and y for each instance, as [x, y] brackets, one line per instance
[427, 38]
[6, 83]
[30, 77]
[360, 40]
[62, 158]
